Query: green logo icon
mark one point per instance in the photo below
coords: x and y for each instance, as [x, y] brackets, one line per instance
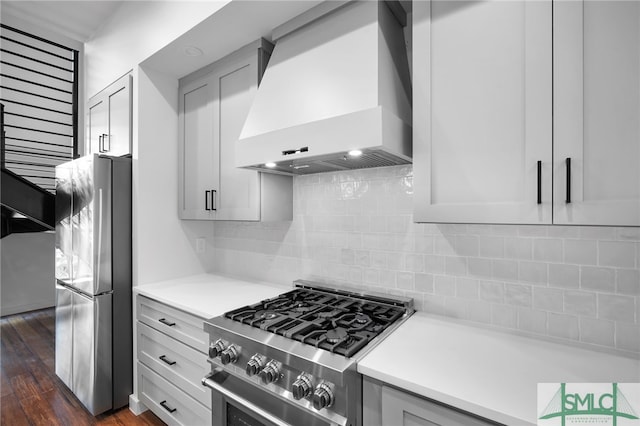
[567, 404]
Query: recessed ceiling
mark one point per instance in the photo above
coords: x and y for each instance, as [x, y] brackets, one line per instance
[78, 20]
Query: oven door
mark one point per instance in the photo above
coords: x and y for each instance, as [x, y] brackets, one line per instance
[236, 402]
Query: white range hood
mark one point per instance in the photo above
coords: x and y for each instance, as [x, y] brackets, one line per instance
[336, 82]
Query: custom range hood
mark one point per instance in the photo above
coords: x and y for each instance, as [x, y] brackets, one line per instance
[337, 82]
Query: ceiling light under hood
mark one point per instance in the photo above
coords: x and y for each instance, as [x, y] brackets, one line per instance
[334, 83]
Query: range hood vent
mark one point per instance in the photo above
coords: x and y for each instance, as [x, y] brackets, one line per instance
[338, 80]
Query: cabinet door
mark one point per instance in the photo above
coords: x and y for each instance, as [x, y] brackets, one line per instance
[119, 99]
[403, 409]
[482, 117]
[238, 194]
[198, 162]
[597, 112]
[98, 125]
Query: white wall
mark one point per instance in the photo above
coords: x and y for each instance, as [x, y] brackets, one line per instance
[136, 31]
[27, 276]
[164, 245]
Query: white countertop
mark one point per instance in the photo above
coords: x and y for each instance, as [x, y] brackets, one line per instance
[486, 372]
[209, 295]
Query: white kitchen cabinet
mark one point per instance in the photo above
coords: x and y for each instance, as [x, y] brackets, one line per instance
[596, 61]
[497, 128]
[404, 409]
[171, 362]
[385, 405]
[213, 104]
[109, 119]
[482, 111]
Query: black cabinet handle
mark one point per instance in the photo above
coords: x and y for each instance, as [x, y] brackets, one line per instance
[165, 322]
[100, 143]
[106, 137]
[568, 164]
[213, 200]
[166, 361]
[166, 407]
[539, 182]
[206, 200]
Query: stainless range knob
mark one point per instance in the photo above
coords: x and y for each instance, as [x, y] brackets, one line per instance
[230, 355]
[322, 396]
[271, 372]
[216, 348]
[302, 386]
[255, 364]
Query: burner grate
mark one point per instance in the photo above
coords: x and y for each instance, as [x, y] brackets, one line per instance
[339, 324]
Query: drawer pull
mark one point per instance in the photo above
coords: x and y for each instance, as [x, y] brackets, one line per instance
[166, 407]
[166, 361]
[165, 322]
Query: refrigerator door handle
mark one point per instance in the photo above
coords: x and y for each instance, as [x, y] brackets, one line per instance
[98, 252]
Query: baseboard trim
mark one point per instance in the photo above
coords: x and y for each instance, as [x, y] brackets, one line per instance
[18, 309]
[135, 406]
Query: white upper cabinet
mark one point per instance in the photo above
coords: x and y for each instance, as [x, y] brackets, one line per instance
[213, 105]
[522, 115]
[597, 112]
[109, 119]
[482, 111]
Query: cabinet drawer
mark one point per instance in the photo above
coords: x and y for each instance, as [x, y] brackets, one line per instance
[180, 325]
[168, 402]
[181, 365]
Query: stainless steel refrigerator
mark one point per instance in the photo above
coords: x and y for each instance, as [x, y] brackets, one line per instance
[93, 280]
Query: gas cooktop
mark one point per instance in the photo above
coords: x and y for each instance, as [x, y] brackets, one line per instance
[336, 323]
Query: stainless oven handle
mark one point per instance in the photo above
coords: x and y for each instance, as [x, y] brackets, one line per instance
[210, 383]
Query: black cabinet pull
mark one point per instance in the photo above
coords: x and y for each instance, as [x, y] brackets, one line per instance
[568, 164]
[106, 137]
[539, 182]
[100, 143]
[166, 407]
[166, 361]
[213, 200]
[206, 200]
[165, 322]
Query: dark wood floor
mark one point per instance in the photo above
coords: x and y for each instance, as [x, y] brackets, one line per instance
[31, 393]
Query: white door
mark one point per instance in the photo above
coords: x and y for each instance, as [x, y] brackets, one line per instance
[238, 194]
[198, 162]
[118, 142]
[482, 116]
[597, 112]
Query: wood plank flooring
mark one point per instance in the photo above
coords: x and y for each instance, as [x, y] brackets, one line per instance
[30, 391]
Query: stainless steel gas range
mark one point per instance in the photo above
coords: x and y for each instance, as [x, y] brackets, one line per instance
[291, 360]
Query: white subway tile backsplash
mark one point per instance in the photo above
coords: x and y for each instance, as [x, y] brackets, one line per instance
[561, 325]
[355, 228]
[532, 321]
[504, 269]
[533, 272]
[490, 246]
[518, 295]
[580, 303]
[548, 250]
[491, 291]
[616, 253]
[627, 337]
[599, 279]
[504, 316]
[548, 299]
[467, 288]
[562, 275]
[444, 285]
[628, 281]
[582, 252]
[598, 332]
[616, 308]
